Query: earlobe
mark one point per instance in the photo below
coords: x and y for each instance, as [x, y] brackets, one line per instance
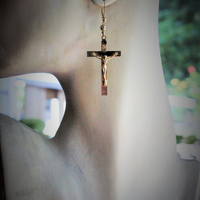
[100, 2]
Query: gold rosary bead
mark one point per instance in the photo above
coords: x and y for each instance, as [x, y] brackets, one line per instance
[103, 27]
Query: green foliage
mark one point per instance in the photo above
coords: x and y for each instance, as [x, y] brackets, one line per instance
[179, 139]
[179, 28]
[189, 140]
[35, 124]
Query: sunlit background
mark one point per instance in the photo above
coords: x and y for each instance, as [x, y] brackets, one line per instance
[179, 31]
[37, 100]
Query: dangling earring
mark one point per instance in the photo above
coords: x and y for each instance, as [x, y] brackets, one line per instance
[103, 55]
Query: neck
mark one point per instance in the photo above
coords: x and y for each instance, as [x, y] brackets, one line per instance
[136, 109]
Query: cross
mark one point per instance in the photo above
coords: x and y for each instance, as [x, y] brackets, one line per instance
[104, 56]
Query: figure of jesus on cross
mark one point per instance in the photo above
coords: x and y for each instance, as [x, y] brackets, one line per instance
[104, 59]
[104, 56]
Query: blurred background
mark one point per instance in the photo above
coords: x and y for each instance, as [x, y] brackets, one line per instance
[38, 101]
[179, 32]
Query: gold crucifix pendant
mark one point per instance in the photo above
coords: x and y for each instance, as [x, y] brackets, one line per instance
[104, 56]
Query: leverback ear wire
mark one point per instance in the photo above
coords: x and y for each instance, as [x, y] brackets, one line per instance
[103, 26]
[103, 12]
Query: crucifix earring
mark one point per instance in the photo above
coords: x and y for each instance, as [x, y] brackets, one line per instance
[103, 55]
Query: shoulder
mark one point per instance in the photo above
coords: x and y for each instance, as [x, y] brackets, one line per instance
[14, 134]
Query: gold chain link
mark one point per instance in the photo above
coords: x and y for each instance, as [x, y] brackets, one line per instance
[103, 26]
